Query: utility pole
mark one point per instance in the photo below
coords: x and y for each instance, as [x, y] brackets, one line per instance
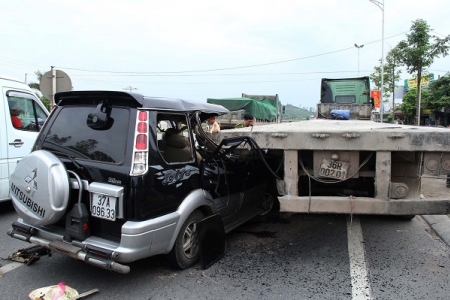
[52, 101]
[393, 87]
[381, 6]
[130, 88]
[26, 77]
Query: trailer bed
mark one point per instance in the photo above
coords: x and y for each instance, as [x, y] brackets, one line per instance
[354, 166]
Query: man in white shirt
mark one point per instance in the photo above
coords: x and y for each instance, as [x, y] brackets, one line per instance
[213, 125]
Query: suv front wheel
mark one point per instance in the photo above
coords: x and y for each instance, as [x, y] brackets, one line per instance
[186, 250]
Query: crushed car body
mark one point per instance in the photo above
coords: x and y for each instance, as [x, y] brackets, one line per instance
[115, 177]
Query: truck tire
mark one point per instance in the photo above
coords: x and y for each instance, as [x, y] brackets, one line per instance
[40, 189]
[186, 250]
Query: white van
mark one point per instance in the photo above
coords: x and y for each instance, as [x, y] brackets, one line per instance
[22, 115]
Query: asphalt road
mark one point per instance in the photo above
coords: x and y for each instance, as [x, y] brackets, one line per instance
[307, 257]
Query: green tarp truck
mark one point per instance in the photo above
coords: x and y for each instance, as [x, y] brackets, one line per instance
[263, 108]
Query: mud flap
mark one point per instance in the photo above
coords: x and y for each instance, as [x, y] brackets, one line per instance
[212, 239]
[77, 223]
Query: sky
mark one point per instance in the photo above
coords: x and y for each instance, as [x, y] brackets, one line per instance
[203, 49]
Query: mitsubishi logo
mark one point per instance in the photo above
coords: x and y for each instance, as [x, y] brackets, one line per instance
[30, 180]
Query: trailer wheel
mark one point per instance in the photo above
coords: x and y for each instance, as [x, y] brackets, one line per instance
[186, 250]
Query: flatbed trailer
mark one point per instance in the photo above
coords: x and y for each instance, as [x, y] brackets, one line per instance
[354, 166]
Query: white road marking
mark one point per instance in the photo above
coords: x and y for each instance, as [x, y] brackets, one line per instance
[10, 267]
[358, 269]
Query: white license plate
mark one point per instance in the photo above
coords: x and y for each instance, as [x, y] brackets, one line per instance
[103, 206]
[333, 169]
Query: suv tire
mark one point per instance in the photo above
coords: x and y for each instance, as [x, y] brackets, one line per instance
[186, 250]
[267, 204]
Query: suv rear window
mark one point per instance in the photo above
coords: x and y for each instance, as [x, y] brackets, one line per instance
[70, 134]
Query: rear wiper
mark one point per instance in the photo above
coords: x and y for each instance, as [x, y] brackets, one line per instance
[72, 159]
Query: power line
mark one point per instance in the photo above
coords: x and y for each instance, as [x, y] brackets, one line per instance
[15, 61]
[223, 74]
[438, 33]
[229, 68]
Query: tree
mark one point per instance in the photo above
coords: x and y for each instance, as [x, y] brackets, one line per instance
[417, 53]
[391, 74]
[409, 105]
[439, 94]
[35, 86]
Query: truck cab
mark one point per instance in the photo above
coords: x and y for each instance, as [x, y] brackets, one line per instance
[345, 94]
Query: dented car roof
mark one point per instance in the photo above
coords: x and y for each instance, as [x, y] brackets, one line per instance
[138, 101]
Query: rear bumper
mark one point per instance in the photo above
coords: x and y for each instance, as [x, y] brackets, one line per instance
[364, 205]
[138, 240]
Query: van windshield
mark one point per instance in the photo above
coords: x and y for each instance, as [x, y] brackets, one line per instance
[71, 135]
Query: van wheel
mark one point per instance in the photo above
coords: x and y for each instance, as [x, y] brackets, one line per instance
[186, 250]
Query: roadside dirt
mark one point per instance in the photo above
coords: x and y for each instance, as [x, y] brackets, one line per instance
[435, 188]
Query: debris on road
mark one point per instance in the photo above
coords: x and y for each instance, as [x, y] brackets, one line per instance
[59, 292]
[29, 255]
[53, 292]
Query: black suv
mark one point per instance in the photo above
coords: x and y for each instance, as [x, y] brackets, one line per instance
[115, 177]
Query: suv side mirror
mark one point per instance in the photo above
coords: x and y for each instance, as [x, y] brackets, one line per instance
[100, 118]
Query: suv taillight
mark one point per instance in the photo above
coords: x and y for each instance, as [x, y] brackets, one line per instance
[140, 151]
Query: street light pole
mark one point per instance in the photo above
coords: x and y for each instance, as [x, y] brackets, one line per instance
[359, 47]
[381, 6]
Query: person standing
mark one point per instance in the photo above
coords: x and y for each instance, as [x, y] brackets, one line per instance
[213, 125]
[248, 121]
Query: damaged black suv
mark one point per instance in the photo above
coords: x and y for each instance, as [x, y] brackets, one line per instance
[115, 177]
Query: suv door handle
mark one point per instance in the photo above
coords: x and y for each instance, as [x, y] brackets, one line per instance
[17, 143]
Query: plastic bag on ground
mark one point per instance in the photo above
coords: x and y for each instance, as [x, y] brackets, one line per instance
[53, 292]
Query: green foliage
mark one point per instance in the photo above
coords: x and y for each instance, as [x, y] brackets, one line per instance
[417, 52]
[439, 94]
[294, 113]
[35, 86]
[409, 104]
[389, 118]
[390, 74]
[46, 103]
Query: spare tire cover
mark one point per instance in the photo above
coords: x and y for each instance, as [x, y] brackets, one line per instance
[39, 188]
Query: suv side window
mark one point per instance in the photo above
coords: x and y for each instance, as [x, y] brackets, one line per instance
[25, 112]
[174, 140]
